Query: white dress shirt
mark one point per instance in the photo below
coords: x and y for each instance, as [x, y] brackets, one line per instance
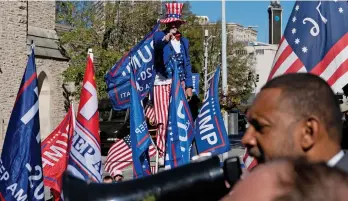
[334, 160]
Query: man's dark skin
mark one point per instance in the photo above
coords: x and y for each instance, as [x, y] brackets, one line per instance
[277, 130]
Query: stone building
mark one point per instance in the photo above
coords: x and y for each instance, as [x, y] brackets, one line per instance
[237, 32]
[22, 22]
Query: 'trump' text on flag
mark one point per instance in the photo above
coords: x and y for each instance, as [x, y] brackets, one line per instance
[118, 78]
[55, 153]
[180, 126]
[210, 132]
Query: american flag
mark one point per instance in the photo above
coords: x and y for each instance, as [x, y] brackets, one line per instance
[249, 161]
[315, 41]
[153, 169]
[120, 155]
[150, 114]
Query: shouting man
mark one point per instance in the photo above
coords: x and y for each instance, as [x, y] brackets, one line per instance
[296, 115]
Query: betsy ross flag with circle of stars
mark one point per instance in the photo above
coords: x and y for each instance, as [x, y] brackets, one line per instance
[315, 41]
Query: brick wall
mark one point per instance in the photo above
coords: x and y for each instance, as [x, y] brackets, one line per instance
[53, 69]
[42, 14]
[13, 57]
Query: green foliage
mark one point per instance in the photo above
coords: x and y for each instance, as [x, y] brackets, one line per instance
[110, 29]
[113, 28]
[239, 64]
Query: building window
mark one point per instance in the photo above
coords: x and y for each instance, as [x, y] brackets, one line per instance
[260, 51]
[241, 52]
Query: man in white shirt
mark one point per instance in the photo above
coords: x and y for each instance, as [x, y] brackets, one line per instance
[296, 115]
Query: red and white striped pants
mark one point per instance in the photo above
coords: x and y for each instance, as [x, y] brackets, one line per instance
[161, 106]
[159, 113]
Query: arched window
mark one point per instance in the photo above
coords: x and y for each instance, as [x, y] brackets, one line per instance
[44, 105]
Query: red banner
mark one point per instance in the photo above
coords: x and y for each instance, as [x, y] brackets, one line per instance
[55, 152]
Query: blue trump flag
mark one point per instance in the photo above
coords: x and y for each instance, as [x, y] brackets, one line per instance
[21, 176]
[180, 126]
[210, 132]
[139, 134]
[118, 78]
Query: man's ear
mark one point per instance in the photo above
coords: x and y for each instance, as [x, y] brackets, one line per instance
[310, 133]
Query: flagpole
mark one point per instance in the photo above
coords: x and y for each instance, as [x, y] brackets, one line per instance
[157, 155]
[157, 158]
[90, 53]
[224, 65]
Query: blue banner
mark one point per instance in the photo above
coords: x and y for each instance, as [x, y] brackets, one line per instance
[180, 126]
[118, 78]
[21, 175]
[210, 132]
[195, 82]
[139, 133]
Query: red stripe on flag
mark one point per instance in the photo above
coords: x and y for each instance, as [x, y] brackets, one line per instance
[330, 56]
[25, 85]
[341, 70]
[295, 67]
[280, 60]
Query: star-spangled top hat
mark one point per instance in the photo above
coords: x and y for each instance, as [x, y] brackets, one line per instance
[173, 13]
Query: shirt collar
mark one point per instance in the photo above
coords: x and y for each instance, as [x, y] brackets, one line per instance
[334, 160]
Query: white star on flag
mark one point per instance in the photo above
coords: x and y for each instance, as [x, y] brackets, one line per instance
[297, 41]
[304, 49]
[340, 10]
[297, 7]
[293, 31]
[294, 19]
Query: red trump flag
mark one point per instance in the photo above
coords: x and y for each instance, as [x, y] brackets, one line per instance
[55, 152]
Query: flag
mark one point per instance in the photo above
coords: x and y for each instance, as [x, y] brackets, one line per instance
[180, 126]
[118, 77]
[315, 41]
[21, 165]
[85, 156]
[120, 155]
[210, 131]
[249, 161]
[55, 151]
[150, 114]
[153, 169]
[195, 83]
[139, 133]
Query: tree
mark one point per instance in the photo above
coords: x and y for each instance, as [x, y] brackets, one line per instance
[113, 28]
[240, 71]
[109, 28]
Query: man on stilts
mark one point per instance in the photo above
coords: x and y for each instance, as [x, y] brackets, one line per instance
[169, 45]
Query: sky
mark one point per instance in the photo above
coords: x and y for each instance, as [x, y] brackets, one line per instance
[246, 13]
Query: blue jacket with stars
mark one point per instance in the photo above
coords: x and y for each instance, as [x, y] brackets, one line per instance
[164, 51]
